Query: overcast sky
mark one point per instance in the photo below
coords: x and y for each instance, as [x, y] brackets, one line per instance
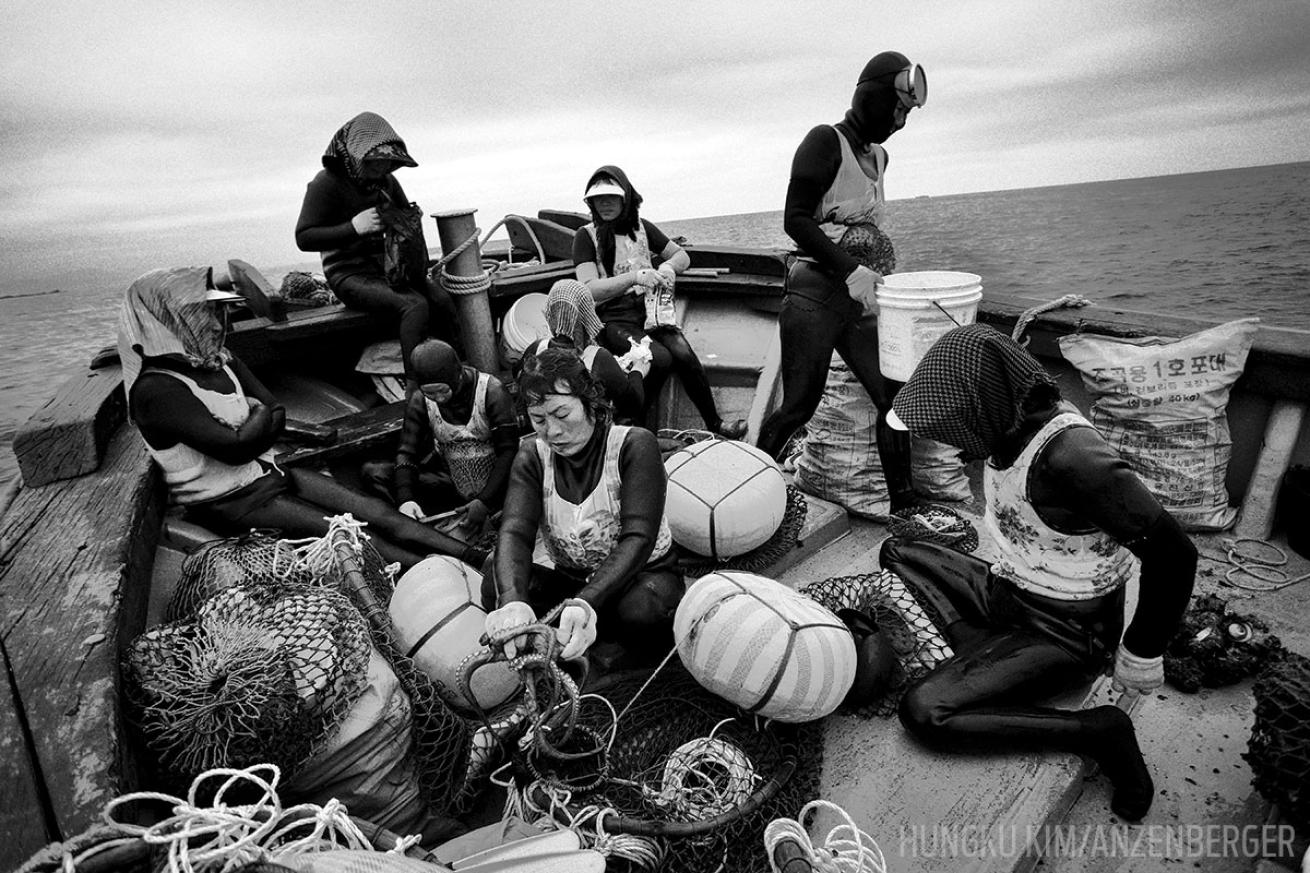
[147, 134]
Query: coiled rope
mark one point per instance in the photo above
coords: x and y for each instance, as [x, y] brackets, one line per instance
[845, 848]
[1070, 301]
[461, 285]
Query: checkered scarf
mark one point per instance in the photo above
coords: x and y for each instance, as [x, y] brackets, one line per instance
[165, 313]
[969, 389]
[358, 137]
[571, 312]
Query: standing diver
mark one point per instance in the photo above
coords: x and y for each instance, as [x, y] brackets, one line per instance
[833, 213]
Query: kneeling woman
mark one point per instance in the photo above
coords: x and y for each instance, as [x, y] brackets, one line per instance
[206, 420]
[596, 490]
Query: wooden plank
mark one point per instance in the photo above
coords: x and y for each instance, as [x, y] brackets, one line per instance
[75, 561]
[1281, 434]
[22, 815]
[357, 432]
[259, 295]
[67, 436]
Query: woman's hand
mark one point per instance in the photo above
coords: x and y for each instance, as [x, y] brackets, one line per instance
[499, 622]
[475, 514]
[1134, 674]
[646, 278]
[863, 284]
[411, 509]
[368, 221]
[577, 628]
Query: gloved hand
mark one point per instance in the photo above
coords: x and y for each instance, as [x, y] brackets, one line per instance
[667, 276]
[412, 509]
[862, 284]
[475, 514]
[1135, 674]
[514, 614]
[368, 221]
[646, 278]
[577, 628]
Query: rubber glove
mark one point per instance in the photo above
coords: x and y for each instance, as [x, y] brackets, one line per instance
[863, 284]
[514, 614]
[646, 278]
[1135, 674]
[412, 509]
[667, 276]
[475, 514]
[577, 628]
[368, 221]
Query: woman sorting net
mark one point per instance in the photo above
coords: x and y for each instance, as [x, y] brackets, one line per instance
[833, 213]
[615, 257]
[1066, 516]
[574, 324]
[596, 491]
[371, 236]
[207, 421]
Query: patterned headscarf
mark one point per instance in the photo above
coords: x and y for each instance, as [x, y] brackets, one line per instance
[166, 312]
[969, 389]
[367, 135]
[571, 312]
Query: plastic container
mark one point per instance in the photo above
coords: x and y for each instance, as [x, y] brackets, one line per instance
[524, 324]
[1294, 509]
[915, 309]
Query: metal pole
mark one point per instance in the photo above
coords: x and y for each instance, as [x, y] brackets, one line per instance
[472, 304]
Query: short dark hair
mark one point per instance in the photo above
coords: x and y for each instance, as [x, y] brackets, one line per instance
[542, 374]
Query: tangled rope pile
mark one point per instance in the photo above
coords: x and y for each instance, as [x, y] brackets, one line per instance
[845, 848]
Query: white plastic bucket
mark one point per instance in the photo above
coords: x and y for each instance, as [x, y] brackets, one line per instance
[915, 309]
[524, 324]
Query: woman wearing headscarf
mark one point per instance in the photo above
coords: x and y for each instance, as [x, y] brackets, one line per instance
[574, 324]
[615, 256]
[834, 213]
[206, 420]
[595, 490]
[370, 235]
[1066, 516]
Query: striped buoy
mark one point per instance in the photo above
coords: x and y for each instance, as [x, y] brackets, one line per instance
[724, 498]
[437, 613]
[764, 647]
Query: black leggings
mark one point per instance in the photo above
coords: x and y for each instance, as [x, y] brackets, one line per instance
[809, 331]
[421, 313]
[670, 353]
[1013, 650]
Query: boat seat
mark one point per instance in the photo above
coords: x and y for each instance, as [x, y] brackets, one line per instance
[359, 431]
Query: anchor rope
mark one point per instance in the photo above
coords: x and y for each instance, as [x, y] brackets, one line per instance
[1069, 301]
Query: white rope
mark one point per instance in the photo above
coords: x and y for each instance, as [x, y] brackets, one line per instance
[845, 848]
[705, 777]
[316, 555]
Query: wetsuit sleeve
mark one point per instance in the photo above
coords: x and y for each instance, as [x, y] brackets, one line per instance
[657, 238]
[813, 168]
[414, 432]
[518, 526]
[322, 225]
[584, 250]
[167, 413]
[505, 441]
[641, 494]
[1096, 484]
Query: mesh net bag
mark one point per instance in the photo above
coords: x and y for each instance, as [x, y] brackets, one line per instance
[934, 524]
[262, 674]
[258, 556]
[691, 779]
[308, 288]
[1279, 748]
[470, 465]
[911, 630]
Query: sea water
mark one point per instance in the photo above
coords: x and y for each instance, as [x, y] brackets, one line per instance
[1219, 245]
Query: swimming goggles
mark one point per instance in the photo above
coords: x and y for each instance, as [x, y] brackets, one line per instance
[911, 85]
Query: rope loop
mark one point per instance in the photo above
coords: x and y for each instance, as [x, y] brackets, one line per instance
[845, 848]
[1071, 301]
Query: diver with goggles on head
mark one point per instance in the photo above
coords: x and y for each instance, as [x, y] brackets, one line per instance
[833, 213]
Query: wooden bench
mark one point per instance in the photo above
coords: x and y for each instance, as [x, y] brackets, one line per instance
[359, 431]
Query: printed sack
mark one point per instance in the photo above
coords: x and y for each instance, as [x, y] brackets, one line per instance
[1161, 403]
[838, 458]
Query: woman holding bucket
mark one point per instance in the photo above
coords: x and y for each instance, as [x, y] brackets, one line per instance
[833, 212]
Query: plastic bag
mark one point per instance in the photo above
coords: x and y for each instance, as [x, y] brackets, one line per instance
[1162, 404]
[660, 309]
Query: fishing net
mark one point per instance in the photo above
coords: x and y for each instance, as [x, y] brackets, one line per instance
[911, 630]
[263, 673]
[661, 774]
[470, 461]
[1279, 748]
[934, 524]
[258, 556]
[308, 288]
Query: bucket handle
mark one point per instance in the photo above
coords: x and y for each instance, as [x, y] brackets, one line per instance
[947, 314]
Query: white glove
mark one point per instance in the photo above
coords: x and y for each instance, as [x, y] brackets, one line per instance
[646, 278]
[667, 277]
[368, 221]
[1135, 674]
[412, 509]
[514, 614]
[638, 357]
[577, 628]
[863, 284]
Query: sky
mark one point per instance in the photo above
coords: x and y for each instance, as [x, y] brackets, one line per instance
[145, 134]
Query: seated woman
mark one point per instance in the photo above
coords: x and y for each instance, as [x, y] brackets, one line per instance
[596, 490]
[206, 420]
[1066, 516]
[614, 257]
[374, 254]
[574, 324]
[460, 418]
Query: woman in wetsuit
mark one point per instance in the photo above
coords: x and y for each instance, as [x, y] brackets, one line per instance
[374, 254]
[596, 490]
[833, 212]
[1066, 515]
[574, 324]
[615, 257]
[206, 421]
